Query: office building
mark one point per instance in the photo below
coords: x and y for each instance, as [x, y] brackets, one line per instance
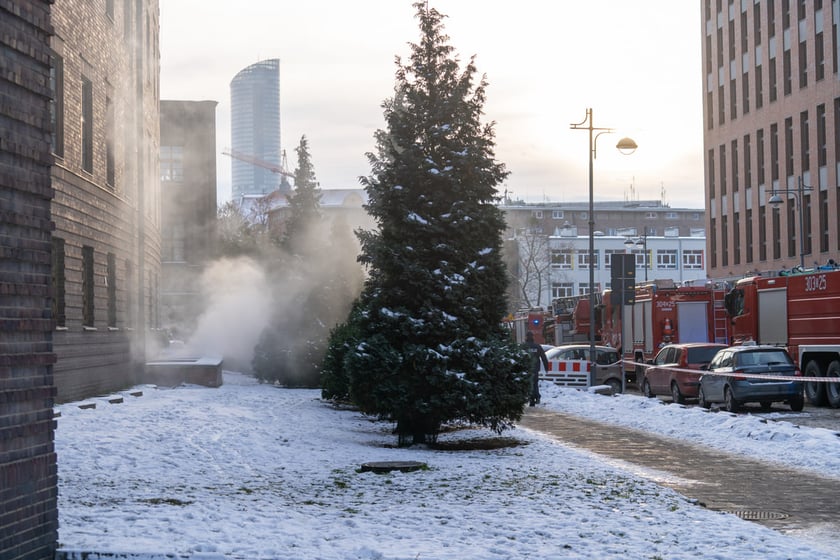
[771, 104]
[255, 130]
[188, 208]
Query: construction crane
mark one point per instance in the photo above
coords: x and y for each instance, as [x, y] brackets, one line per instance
[281, 169]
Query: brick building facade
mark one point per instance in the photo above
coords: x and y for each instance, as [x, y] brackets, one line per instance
[106, 209]
[28, 479]
[771, 106]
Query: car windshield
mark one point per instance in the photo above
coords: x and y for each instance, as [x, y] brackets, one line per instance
[702, 354]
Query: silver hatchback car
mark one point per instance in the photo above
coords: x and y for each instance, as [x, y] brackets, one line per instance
[609, 371]
[725, 380]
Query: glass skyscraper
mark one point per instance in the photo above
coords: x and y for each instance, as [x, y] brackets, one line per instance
[255, 129]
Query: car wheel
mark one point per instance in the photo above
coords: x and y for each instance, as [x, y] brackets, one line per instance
[646, 389]
[814, 390]
[832, 390]
[615, 386]
[797, 403]
[676, 396]
[701, 399]
[766, 406]
[729, 401]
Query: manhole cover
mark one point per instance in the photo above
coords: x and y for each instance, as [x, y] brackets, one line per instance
[388, 466]
[759, 515]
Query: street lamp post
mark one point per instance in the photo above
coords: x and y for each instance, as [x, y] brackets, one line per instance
[625, 145]
[798, 193]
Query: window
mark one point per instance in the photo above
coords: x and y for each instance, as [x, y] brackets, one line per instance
[58, 279]
[804, 141]
[788, 147]
[762, 233]
[583, 259]
[666, 259]
[672, 216]
[57, 105]
[747, 162]
[87, 287]
[173, 243]
[561, 289]
[562, 259]
[557, 214]
[749, 230]
[583, 288]
[172, 165]
[87, 125]
[692, 259]
[112, 290]
[538, 214]
[759, 154]
[711, 173]
[110, 131]
[803, 65]
[822, 152]
[129, 294]
[642, 258]
[651, 215]
[609, 253]
[736, 180]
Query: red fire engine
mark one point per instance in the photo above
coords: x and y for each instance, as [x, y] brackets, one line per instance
[536, 321]
[800, 311]
[663, 312]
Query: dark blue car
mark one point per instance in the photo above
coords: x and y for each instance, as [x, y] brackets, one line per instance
[724, 380]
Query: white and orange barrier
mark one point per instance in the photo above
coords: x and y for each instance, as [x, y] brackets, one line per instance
[568, 373]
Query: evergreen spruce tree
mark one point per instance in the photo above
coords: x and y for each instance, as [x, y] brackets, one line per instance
[304, 212]
[291, 348]
[431, 348]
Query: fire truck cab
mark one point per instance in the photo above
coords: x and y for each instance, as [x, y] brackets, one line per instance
[800, 311]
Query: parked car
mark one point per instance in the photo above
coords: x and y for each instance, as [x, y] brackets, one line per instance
[667, 376]
[608, 360]
[723, 383]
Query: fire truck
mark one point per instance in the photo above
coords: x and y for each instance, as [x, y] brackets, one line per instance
[537, 321]
[799, 310]
[663, 312]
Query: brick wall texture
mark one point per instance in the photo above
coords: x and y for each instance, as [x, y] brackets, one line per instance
[28, 479]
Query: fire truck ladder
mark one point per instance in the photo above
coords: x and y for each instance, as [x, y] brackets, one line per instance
[721, 318]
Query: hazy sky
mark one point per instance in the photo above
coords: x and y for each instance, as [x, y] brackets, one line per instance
[636, 64]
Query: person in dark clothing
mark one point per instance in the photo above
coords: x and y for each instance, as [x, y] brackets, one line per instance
[537, 354]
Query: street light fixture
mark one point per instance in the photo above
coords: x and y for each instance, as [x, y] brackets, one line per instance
[625, 146]
[640, 243]
[798, 193]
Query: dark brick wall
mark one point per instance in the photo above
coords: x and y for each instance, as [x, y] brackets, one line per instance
[28, 480]
[119, 217]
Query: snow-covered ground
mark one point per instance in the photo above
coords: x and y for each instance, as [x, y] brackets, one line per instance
[250, 471]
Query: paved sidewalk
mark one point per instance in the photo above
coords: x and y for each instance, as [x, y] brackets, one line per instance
[778, 497]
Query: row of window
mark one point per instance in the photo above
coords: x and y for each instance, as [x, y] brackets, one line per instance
[758, 52]
[725, 163]
[86, 121]
[59, 302]
[560, 214]
[665, 259]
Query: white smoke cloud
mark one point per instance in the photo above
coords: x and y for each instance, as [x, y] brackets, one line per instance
[239, 306]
